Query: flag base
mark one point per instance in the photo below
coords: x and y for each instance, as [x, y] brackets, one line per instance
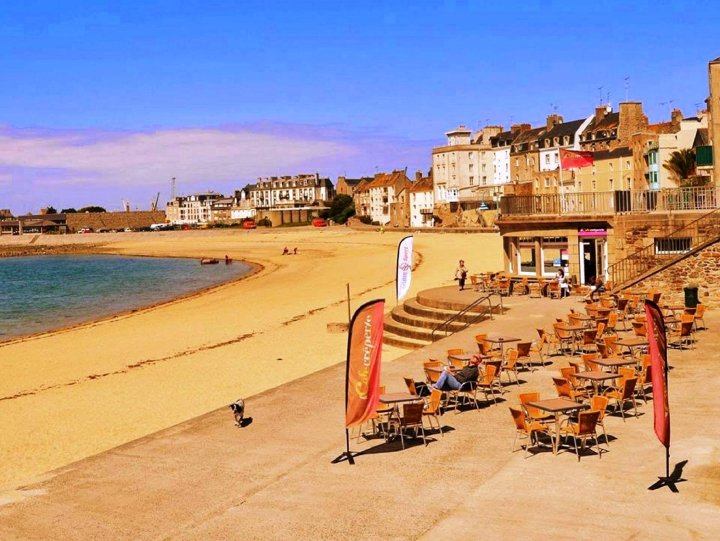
[347, 455]
[664, 482]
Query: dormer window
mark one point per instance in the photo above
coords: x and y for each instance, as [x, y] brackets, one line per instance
[547, 142]
[566, 140]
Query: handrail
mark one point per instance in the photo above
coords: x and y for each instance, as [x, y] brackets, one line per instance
[676, 243]
[445, 324]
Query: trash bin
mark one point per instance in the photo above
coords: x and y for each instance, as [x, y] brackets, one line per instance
[691, 296]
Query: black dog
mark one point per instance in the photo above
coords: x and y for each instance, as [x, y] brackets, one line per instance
[238, 409]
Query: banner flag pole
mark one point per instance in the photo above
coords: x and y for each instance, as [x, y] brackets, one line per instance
[403, 268]
[362, 369]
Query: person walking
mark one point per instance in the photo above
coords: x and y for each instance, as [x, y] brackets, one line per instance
[461, 274]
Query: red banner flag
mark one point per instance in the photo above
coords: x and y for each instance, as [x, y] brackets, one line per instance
[658, 370]
[572, 159]
[363, 362]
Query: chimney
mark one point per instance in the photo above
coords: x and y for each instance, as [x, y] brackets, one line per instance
[553, 120]
[520, 127]
[675, 117]
[418, 175]
[632, 120]
[600, 113]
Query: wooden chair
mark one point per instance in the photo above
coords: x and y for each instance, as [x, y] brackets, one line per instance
[504, 286]
[553, 290]
[639, 328]
[682, 337]
[700, 316]
[589, 362]
[537, 348]
[486, 382]
[412, 417]
[524, 361]
[588, 341]
[474, 282]
[565, 338]
[564, 389]
[525, 429]
[510, 365]
[584, 429]
[622, 395]
[599, 403]
[612, 322]
[432, 409]
[521, 287]
[550, 339]
[533, 413]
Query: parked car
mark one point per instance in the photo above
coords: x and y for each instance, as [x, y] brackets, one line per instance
[249, 224]
[319, 222]
[85, 230]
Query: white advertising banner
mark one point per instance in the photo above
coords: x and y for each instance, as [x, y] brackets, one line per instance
[404, 266]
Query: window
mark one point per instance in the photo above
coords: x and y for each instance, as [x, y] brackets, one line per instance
[527, 262]
[673, 246]
[594, 185]
[611, 166]
[483, 168]
[472, 180]
[484, 180]
[547, 182]
[610, 184]
[547, 159]
[554, 254]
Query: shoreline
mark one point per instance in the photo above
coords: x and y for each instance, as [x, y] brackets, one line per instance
[112, 381]
[254, 268]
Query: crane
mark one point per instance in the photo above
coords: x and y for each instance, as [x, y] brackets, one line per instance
[154, 204]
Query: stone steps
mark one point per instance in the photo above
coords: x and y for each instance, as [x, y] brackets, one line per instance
[410, 324]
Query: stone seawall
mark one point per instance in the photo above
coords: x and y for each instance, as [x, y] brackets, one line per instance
[701, 269]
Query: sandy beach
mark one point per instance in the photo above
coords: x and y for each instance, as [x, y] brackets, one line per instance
[72, 393]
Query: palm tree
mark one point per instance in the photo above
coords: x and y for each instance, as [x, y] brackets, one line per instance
[681, 165]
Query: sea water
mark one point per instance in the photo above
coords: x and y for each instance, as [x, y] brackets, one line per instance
[42, 293]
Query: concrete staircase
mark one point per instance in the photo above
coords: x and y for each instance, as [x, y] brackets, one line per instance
[410, 325]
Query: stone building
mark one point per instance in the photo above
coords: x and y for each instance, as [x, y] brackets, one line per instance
[713, 106]
[525, 156]
[384, 192]
[361, 197]
[195, 208]
[347, 186]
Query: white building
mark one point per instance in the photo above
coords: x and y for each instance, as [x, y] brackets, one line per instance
[422, 203]
[559, 135]
[196, 208]
[383, 191]
[464, 165]
[291, 191]
[671, 142]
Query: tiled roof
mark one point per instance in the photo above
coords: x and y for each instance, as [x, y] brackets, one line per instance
[388, 179]
[610, 120]
[562, 129]
[621, 152]
[425, 184]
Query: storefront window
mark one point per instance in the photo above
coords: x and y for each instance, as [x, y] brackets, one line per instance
[554, 254]
[527, 261]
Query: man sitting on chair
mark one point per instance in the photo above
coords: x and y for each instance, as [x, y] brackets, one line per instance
[452, 380]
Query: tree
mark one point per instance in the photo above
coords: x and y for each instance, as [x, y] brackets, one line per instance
[681, 165]
[92, 209]
[70, 210]
[341, 208]
[51, 210]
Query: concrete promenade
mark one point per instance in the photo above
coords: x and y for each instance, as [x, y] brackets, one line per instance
[207, 479]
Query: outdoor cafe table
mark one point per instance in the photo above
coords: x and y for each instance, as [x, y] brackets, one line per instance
[596, 377]
[581, 317]
[575, 330]
[557, 406]
[632, 343]
[502, 340]
[614, 362]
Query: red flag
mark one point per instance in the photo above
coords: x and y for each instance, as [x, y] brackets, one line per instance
[571, 159]
[658, 362]
[363, 362]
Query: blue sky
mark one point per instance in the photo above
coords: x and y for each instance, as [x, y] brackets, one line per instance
[101, 101]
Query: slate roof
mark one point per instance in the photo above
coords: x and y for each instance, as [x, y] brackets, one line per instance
[621, 152]
[561, 130]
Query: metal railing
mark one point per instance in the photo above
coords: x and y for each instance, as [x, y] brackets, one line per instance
[616, 202]
[446, 324]
[666, 249]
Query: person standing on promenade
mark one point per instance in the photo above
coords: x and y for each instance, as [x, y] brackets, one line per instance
[461, 274]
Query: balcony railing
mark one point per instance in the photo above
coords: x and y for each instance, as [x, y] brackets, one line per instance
[617, 202]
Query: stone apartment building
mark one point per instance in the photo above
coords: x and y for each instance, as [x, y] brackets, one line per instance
[384, 192]
[525, 155]
[347, 186]
[195, 208]
[361, 197]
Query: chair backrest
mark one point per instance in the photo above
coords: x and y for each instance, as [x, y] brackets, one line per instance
[629, 387]
[412, 413]
[532, 396]
[687, 318]
[455, 351]
[690, 311]
[575, 366]
[488, 375]
[686, 328]
[562, 333]
[473, 279]
[523, 349]
[587, 421]
[562, 386]
[589, 360]
[639, 328]
[410, 384]
[599, 403]
[568, 372]
[518, 418]
[434, 402]
[612, 321]
[589, 336]
[481, 336]
[432, 376]
[626, 373]
[432, 363]
[656, 296]
[600, 328]
[622, 304]
[603, 350]
[574, 320]
[512, 357]
[700, 311]
[611, 343]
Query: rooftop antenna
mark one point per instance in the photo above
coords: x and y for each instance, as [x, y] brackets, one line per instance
[627, 88]
[554, 107]
[172, 188]
[600, 90]
[698, 107]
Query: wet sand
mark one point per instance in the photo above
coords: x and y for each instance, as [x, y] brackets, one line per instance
[72, 393]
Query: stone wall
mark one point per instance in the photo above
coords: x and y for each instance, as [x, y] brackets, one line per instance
[701, 268]
[114, 220]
